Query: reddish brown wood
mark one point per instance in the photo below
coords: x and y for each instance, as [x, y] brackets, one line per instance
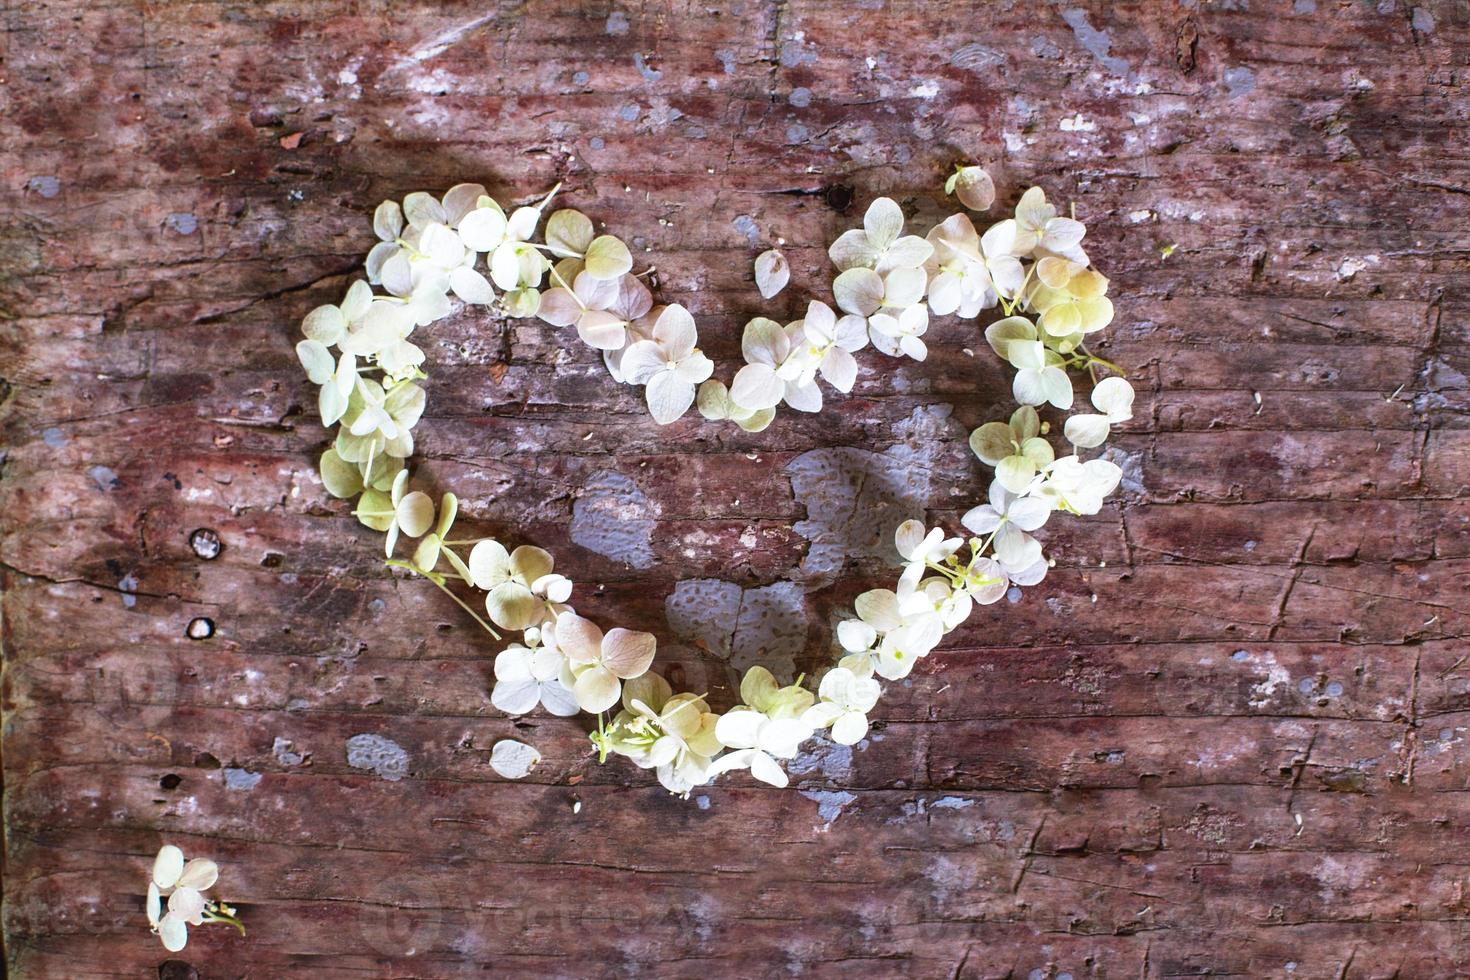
[1226, 737]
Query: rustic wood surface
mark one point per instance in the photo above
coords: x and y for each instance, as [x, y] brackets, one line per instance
[1227, 736]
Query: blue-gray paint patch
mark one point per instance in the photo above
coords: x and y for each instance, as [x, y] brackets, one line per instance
[801, 97]
[794, 53]
[1013, 595]
[1422, 20]
[702, 802]
[796, 134]
[1304, 6]
[241, 780]
[829, 802]
[766, 625]
[384, 757]
[54, 438]
[597, 143]
[1043, 47]
[727, 60]
[976, 58]
[581, 78]
[182, 222]
[104, 477]
[284, 751]
[1238, 81]
[855, 498]
[617, 23]
[613, 517]
[128, 584]
[746, 225]
[629, 112]
[649, 74]
[47, 186]
[1097, 42]
[951, 803]
[832, 761]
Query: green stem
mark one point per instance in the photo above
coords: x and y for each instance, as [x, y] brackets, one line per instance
[436, 579]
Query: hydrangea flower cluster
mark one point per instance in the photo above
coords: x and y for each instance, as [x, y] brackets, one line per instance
[183, 884]
[1029, 266]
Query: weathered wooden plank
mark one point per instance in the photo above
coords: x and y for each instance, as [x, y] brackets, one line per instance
[1226, 735]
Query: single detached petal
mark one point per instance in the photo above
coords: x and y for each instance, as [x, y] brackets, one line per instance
[772, 273]
[513, 760]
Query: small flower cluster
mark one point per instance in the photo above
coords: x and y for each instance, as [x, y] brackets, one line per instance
[887, 286]
[183, 884]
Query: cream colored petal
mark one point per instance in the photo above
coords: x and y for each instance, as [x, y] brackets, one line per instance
[627, 653]
[200, 874]
[512, 606]
[596, 689]
[167, 866]
[578, 638]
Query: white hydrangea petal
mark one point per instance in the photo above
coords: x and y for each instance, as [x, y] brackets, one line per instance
[1029, 513]
[167, 866]
[909, 252]
[460, 200]
[569, 233]
[471, 287]
[850, 728]
[608, 258]
[421, 208]
[694, 368]
[669, 396]
[883, 222]
[756, 386]
[512, 759]
[154, 904]
[319, 363]
[628, 653]
[858, 291]
[516, 697]
[1114, 398]
[730, 761]
[981, 520]
[388, 221]
[186, 903]
[675, 331]
[1086, 431]
[821, 714]
[174, 933]
[415, 513]
[840, 369]
[803, 398]
[602, 330]
[483, 229]
[856, 635]
[767, 770]
[596, 689]
[853, 250]
[558, 699]
[199, 874]
[772, 273]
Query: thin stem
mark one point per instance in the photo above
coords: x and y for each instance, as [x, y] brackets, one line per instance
[396, 563]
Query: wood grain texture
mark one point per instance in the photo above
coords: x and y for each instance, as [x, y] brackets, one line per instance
[1227, 737]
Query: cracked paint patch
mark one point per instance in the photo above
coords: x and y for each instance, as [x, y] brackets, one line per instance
[382, 756]
[829, 803]
[614, 518]
[766, 625]
[1096, 42]
[855, 498]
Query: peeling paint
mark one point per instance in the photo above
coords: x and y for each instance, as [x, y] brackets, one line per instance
[766, 625]
[1097, 42]
[241, 780]
[1239, 81]
[45, 185]
[649, 74]
[977, 58]
[855, 499]
[182, 222]
[829, 803]
[746, 225]
[104, 477]
[382, 756]
[617, 23]
[614, 518]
